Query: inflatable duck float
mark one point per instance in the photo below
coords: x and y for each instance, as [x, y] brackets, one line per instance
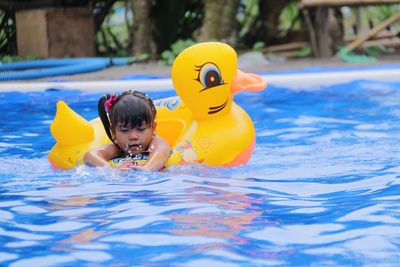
[202, 124]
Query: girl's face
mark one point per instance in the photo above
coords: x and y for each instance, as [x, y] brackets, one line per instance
[136, 140]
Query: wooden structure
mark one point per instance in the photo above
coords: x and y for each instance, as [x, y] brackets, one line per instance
[310, 3]
[319, 30]
[56, 32]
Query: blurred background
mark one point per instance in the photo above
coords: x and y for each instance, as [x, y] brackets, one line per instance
[157, 30]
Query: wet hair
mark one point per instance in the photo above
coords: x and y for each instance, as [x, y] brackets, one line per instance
[131, 109]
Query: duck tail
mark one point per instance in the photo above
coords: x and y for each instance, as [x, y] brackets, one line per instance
[69, 128]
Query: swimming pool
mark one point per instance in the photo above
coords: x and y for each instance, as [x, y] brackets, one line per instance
[321, 189]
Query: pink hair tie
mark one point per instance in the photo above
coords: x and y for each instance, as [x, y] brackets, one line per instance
[110, 102]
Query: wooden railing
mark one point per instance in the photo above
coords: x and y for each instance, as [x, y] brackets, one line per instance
[318, 30]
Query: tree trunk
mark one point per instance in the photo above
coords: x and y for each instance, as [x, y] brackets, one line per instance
[211, 20]
[219, 20]
[324, 41]
[336, 29]
[141, 34]
[228, 24]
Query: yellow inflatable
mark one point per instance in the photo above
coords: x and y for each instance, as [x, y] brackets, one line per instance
[202, 124]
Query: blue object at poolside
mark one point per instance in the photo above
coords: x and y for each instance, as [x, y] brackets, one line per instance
[26, 70]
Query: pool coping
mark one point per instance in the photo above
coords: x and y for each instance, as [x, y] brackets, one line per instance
[301, 80]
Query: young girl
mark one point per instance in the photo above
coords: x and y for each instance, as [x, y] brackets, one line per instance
[130, 125]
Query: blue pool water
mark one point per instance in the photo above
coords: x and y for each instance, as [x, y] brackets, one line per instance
[322, 189]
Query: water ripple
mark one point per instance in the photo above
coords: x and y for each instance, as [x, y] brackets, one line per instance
[321, 189]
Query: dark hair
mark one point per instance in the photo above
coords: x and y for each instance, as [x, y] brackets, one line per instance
[131, 108]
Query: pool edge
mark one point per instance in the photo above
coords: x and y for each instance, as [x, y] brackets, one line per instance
[308, 81]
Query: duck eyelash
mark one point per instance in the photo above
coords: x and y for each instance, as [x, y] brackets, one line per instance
[198, 67]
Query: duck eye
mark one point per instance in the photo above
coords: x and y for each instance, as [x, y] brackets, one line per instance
[210, 76]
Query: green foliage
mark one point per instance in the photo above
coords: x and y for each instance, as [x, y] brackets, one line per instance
[9, 58]
[247, 16]
[304, 52]
[368, 17]
[258, 46]
[8, 39]
[176, 23]
[16, 58]
[374, 51]
[176, 20]
[33, 57]
[112, 39]
[288, 18]
[143, 57]
[168, 56]
[379, 13]
[180, 45]
[353, 58]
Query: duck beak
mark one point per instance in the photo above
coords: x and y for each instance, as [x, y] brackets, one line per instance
[247, 81]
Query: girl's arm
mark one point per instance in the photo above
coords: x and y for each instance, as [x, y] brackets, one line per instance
[100, 156]
[158, 155]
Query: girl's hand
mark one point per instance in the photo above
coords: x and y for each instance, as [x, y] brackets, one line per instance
[128, 165]
[132, 165]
